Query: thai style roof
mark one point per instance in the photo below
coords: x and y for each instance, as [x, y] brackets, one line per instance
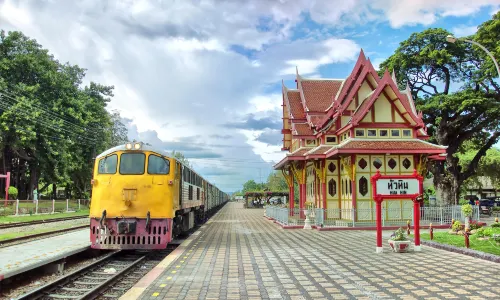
[302, 129]
[318, 94]
[374, 146]
[319, 107]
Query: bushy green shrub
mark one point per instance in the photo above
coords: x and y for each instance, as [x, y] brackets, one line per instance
[467, 210]
[399, 235]
[483, 232]
[496, 224]
[456, 226]
[13, 192]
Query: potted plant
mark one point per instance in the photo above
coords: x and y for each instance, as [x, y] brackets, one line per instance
[399, 242]
[467, 211]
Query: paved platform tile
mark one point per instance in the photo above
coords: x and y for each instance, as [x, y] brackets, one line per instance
[241, 255]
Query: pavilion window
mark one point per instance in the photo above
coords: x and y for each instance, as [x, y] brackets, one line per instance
[371, 132]
[407, 132]
[363, 186]
[331, 139]
[331, 167]
[383, 132]
[332, 187]
[360, 132]
[395, 132]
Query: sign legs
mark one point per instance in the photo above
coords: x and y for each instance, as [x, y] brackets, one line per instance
[416, 223]
[378, 203]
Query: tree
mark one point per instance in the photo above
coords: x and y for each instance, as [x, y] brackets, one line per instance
[50, 126]
[430, 65]
[276, 182]
[180, 156]
[488, 167]
[118, 130]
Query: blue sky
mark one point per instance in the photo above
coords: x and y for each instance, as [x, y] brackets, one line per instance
[204, 77]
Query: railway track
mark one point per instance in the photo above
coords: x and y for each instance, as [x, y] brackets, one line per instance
[107, 278]
[42, 234]
[20, 224]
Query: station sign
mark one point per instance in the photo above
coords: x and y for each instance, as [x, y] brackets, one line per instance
[407, 186]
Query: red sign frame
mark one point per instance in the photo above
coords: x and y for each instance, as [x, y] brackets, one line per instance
[378, 198]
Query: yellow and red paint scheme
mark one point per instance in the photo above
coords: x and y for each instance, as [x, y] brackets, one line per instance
[146, 209]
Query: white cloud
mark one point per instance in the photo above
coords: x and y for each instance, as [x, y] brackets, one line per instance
[462, 30]
[426, 12]
[330, 51]
[177, 76]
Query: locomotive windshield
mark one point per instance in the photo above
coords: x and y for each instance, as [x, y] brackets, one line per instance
[158, 165]
[107, 165]
[132, 163]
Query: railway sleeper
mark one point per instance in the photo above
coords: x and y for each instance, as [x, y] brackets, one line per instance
[92, 278]
[57, 296]
[89, 283]
[74, 289]
[113, 296]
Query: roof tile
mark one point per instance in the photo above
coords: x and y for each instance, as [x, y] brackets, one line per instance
[319, 94]
[296, 108]
[320, 150]
[303, 129]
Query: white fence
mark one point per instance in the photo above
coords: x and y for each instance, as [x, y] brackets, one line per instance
[30, 207]
[366, 217]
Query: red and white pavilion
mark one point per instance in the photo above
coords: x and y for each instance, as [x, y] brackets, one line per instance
[339, 132]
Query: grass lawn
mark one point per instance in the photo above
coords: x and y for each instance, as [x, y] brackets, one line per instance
[12, 219]
[7, 236]
[488, 246]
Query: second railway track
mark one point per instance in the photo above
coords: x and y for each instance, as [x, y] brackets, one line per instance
[107, 278]
[20, 224]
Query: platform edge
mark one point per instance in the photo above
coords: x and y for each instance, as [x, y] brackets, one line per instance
[138, 289]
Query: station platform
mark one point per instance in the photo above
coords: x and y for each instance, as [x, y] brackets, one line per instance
[239, 254]
[27, 256]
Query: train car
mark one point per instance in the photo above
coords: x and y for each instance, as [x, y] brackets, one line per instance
[142, 199]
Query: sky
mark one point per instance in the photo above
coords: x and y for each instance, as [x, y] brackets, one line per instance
[203, 77]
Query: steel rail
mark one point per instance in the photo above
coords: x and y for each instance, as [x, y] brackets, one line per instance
[44, 290]
[101, 288]
[53, 220]
[26, 237]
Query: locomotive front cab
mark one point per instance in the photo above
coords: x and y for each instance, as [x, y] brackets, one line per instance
[132, 205]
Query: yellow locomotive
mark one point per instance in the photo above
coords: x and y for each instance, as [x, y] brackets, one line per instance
[142, 199]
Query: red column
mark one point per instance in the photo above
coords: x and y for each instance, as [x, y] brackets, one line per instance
[302, 199]
[378, 203]
[416, 221]
[323, 191]
[291, 200]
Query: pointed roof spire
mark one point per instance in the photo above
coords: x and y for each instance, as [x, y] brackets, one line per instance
[394, 77]
[386, 73]
[283, 86]
[362, 54]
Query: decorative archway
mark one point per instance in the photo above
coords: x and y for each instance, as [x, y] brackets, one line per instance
[397, 187]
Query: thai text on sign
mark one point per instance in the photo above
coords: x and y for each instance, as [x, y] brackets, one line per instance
[397, 186]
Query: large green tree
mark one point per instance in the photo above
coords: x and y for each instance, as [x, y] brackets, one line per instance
[432, 68]
[50, 125]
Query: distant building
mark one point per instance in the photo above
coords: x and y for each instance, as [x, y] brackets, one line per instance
[484, 189]
[339, 132]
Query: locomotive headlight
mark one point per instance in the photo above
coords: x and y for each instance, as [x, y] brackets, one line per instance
[137, 146]
[128, 146]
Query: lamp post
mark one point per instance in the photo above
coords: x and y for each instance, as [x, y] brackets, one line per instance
[452, 39]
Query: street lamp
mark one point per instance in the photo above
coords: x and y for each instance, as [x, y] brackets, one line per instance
[452, 39]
